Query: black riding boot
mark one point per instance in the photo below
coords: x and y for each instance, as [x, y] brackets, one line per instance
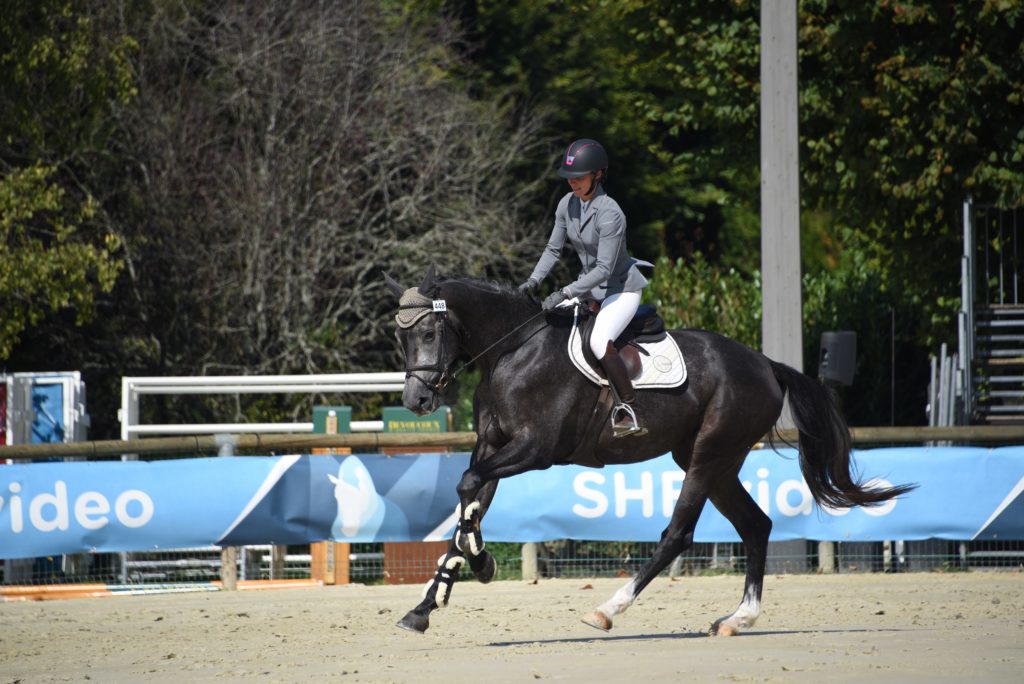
[624, 420]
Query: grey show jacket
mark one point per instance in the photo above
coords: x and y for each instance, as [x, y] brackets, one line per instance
[600, 241]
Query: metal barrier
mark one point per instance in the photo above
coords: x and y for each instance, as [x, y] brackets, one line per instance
[132, 390]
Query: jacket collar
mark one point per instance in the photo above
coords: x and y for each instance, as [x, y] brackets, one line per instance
[596, 202]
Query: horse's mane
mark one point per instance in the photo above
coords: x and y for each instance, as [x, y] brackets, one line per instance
[481, 284]
[510, 293]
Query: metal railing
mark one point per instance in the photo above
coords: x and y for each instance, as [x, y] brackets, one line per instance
[991, 320]
[132, 390]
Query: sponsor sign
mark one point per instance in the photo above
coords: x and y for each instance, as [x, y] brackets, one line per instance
[52, 508]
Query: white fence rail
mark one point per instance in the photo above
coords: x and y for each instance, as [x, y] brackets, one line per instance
[132, 390]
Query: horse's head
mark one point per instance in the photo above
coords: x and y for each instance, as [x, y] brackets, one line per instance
[429, 342]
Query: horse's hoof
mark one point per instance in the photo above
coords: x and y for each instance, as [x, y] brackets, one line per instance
[414, 622]
[722, 629]
[598, 620]
[484, 567]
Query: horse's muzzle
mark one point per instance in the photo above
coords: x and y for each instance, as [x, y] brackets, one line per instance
[419, 397]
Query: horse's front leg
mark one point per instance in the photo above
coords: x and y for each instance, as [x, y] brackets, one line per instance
[437, 590]
[476, 488]
[481, 562]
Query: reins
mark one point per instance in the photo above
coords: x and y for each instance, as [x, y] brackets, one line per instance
[446, 376]
[499, 341]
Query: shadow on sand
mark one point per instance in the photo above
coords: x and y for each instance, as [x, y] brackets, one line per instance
[680, 635]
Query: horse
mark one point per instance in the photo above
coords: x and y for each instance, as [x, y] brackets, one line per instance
[533, 410]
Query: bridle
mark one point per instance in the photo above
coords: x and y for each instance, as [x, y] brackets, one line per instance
[439, 308]
[440, 311]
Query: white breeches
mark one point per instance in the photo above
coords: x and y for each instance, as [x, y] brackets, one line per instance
[616, 313]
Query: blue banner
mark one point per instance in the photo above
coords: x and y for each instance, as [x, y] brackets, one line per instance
[53, 508]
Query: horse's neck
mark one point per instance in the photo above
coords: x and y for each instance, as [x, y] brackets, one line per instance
[488, 317]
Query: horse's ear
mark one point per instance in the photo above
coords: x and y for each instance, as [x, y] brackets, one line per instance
[428, 287]
[393, 284]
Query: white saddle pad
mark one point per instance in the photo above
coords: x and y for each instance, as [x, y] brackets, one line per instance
[663, 365]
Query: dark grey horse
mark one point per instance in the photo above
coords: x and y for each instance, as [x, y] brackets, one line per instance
[533, 409]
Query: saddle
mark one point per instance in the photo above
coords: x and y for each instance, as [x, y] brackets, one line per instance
[651, 355]
[652, 358]
[645, 327]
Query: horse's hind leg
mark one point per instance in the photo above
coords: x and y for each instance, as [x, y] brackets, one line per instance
[753, 526]
[676, 538]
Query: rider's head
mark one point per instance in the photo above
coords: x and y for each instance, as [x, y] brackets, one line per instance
[584, 165]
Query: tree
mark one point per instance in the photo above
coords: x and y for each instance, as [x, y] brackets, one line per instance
[637, 75]
[275, 161]
[44, 267]
[62, 64]
[698, 294]
[308, 148]
[906, 109]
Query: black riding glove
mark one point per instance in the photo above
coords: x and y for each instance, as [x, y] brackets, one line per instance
[554, 299]
[530, 284]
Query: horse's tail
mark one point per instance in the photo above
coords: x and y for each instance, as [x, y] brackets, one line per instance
[825, 444]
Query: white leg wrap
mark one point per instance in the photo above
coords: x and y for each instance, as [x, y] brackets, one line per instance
[442, 592]
[474, 549]
[447, 570]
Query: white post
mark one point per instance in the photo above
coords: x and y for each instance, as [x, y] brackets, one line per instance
[530, 572]
[826, 557]
[781, 317]
[229, 568]
[967, 315]
[782, 320]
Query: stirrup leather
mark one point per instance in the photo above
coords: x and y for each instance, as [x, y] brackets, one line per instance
[620, 428]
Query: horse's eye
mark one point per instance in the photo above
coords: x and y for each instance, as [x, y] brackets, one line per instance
[429, 337]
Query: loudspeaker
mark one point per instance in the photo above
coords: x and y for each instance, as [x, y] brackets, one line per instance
[838, 357]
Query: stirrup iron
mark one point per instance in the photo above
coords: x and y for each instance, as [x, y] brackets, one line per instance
[619, 428]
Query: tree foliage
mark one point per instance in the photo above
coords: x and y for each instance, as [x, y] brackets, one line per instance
[255, 166]
[699, 294]
[274, 161]
[306, 149]
[908, 109]
[44, 267]
[904, 109]
[62, 65]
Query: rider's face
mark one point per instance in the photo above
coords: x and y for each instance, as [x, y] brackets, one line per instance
[580, 186]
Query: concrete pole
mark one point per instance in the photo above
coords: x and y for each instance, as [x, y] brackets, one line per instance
[530, 569]
[781, 315]
[229, 568]
[781, 323]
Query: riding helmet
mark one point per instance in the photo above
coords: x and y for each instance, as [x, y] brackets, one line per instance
[583, 157]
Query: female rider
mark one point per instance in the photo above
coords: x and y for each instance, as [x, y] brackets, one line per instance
[596, 227]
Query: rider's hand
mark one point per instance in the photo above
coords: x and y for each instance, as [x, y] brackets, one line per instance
[530, 284]
[554, 299]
